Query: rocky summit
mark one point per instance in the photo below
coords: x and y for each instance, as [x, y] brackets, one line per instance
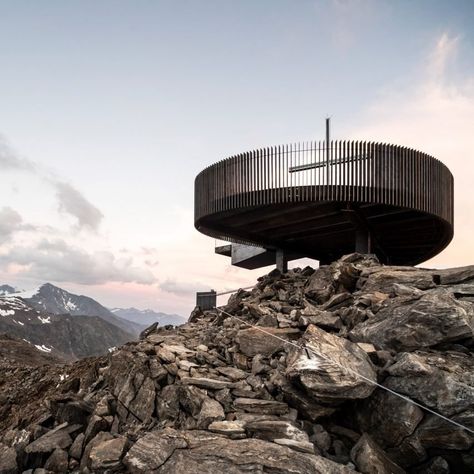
[283, 380]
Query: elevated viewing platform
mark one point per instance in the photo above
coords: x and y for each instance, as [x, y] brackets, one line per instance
[319, 201]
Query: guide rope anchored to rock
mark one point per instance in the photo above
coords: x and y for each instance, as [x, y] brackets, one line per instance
[309, 350]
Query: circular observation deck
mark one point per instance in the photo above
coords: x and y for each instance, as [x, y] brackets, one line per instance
[311, 199]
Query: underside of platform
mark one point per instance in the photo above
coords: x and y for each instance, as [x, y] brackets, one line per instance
[325, 231]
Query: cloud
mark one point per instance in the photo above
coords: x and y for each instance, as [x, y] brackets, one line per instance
[434, 111]
[182, 288]
[10, 222]
[444, 52]
[9, 160]
[72, 202]
[58, 261]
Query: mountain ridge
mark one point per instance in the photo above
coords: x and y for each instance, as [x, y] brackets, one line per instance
[148, 316]
[288, 376]
[64, 336]
[55, 300]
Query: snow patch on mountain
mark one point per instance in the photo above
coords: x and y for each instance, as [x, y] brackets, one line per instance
[25, 294]
[43, 348]
[13, 302]
[7, 312]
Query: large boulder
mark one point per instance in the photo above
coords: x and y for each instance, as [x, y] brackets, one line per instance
[454, 276]
[406, 324]
[435, 432]
[255, 341]
[334, 369]
[387, 418]
[340, 276]
[383, 279]
[59, 437]
[107, 455]
[442, 382]
[369, 458]
[207, 453]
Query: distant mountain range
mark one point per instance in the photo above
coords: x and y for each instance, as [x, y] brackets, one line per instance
[55, 300]
[71, 326]
[6, 290]
[64, 336]
[148, 316]
[18, 352]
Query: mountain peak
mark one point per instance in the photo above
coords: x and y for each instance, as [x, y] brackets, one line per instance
[7, 290]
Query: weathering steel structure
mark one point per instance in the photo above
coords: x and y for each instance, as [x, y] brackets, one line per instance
[326, 199]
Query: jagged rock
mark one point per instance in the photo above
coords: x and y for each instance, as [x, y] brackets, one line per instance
[147, 331]
[437, 465]
[195, 315]
[326, 380]
[367, 348]
[232, 373]
[410, 364]
[373, 299]
[57, 462]
[454, 276]
[276, 429]
[383, 278]
[414, 323]
[17, 439]
[435, 432]
[320, 286]
[227, 427]
[96, 424]
[323, 319]
[370, 458]
[387, 418]
[152, 450]
[254, 341]
[98, 439]
[212, 453]
[187, 365]
[266, 407]
[321, 438]
[211, 410]
[179, 350]
[447, 386]
[73, 411]
[107, 455]
[103, 407]
[202, 382]
[339, 300]
[143, 405]
[258, 365]
[8, 464]
[305, 405]
[351, 317]
[167, 403]
[409, 453]
[165, 355]
[301, 446]
[75, 450]
[59, 437]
